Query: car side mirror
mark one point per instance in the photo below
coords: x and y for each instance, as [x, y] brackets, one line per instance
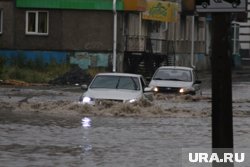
[197, 82]
[84, 87]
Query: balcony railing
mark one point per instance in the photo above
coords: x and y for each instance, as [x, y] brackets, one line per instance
[145, 44]
[161, 46]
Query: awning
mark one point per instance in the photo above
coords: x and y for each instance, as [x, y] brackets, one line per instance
[70, 4]
[121, 5]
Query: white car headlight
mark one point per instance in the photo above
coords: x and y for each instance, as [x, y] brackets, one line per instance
[182, 90]
[186, 90]
[132, 100]
[87, 100]
[155, 89]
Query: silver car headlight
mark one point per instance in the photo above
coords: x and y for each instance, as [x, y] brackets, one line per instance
[186, 90]
[155, 89]
[132, 100]
[182, 90]
[86, 100]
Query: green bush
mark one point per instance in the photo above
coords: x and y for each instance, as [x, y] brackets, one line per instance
[34, 76]
[2, 62]
[34, 71]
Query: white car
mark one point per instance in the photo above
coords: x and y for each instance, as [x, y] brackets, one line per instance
[175, 79]
[121, 87]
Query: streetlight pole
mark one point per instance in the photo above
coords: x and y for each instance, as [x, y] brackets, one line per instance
[222, 117]
[114, 36]
[192, 44]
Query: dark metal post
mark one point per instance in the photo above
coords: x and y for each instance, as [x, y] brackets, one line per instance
[222, 121]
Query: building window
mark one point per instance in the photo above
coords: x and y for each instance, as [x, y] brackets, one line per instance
[1, 21]
[37, 22]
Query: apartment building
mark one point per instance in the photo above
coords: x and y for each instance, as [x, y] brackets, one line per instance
[83, 32]
[244, 39]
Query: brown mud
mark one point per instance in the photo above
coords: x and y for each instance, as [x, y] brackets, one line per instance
[63, 103]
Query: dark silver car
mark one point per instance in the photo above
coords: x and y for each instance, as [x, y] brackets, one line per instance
[176, 79]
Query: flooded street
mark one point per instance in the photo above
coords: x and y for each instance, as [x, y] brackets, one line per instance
[108, 142]
[47, 127]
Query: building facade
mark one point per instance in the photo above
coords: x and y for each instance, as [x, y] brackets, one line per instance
[82, 32]
[244, 39]
[49, 29]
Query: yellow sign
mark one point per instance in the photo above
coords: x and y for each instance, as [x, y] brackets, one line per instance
[161, 11]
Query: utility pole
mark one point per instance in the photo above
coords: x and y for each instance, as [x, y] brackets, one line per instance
[221, 64]
[222, 118]
[114, 36]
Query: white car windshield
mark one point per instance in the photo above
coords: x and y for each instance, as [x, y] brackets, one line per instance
[115, 82]
[173, 75]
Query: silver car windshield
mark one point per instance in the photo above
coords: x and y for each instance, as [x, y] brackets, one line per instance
[173, 75]
[115, 82]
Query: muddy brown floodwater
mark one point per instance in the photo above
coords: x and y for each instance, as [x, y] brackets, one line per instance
[46, 126]
[63, 101]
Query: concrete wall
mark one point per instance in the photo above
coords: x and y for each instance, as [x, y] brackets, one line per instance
[7, 37]
[86, 60]
[52, 41]
[47, 56]
[83, 36]
[69, 30]
[87, 30]
[201, 61]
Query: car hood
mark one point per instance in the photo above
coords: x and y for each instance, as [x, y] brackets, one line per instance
[174, 84]
[110, 94]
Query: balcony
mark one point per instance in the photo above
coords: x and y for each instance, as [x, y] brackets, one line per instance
[184, 46]
[145, 44]
[161, 46]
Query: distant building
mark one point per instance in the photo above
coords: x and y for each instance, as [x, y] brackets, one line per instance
[82, 32]
[244, 39]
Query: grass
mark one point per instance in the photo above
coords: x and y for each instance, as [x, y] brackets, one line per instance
[37, 71]
[33, 75]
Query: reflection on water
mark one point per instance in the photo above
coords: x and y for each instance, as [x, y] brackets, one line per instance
[86, 124]
[33, 140]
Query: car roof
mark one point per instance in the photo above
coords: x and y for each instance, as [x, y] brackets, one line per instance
[119, 74]
[176, 67]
